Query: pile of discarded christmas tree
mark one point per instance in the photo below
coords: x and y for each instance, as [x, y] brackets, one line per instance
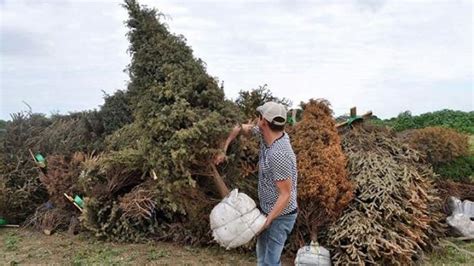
[142, 164]
[396, 213]
[365, 195]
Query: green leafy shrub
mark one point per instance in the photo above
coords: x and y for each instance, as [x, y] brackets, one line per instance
[116, 111]
[3, 125]
[461, 169]
[458, 120]
[248, 101]
[75, 132]
[20, 188]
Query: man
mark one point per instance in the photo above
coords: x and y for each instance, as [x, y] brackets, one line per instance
[277, 179]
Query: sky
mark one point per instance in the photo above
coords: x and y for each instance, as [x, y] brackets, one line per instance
[387, 56]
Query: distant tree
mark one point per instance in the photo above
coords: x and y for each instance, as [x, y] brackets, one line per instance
[404, 120]
[3, 124]
[249, 100]
[458, 120]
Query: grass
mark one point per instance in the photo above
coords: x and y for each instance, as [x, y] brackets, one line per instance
[28, 247]
[22, 246]
[101, 255]
[154, 254]
[11, 242]
[449, 255]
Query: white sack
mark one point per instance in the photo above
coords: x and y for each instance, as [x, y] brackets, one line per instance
[460, 219]
[313, 255]
[235, 220]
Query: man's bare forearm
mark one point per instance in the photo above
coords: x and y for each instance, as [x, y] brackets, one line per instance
[245, 128]
[284, 193]
[233, 134]
[280, 205]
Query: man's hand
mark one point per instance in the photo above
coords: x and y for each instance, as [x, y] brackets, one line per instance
[267, 224]
[220, 158]
[264, 227]
[247, 128]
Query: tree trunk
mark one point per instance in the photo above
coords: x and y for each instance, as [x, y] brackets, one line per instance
[217, 178]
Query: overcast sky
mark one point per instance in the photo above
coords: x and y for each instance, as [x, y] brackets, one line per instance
[385, 56]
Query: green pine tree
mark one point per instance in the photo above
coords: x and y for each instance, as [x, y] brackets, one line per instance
[179, 107]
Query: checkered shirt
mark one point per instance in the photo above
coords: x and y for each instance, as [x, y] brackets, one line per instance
[276, 162]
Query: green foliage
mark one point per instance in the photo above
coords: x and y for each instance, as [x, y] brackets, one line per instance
[80, 131]
[180, 110]
[20, 188]
[158, 159]
[116, 111]
[404, 121]
[452, 253]
[155, 255]
[248, 101]
[461, 169]
[127, 137]
[2, 138]
[151, 47]
[20, 134]
[459, 120]
[3, 125]
[113, 174]
[106, 221]
[97, 255]
[11, 242]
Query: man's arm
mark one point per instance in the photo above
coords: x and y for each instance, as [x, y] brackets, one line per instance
[281, 166]
[245, 128]
[284, 192]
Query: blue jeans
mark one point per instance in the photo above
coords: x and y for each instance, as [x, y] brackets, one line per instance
[271, 241]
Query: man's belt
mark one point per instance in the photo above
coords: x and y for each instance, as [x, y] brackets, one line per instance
[295, 211]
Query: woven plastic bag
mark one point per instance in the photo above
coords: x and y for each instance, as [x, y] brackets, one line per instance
[460, 219]
[235, 220]
[314, 255]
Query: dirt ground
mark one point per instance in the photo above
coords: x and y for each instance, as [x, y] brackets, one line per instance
[22, 246]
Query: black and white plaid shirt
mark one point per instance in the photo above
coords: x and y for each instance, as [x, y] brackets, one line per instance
[276, 162]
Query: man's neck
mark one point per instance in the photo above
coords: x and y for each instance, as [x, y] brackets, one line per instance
[270, 136]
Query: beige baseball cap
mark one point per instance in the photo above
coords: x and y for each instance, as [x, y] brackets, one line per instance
[271, 111]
